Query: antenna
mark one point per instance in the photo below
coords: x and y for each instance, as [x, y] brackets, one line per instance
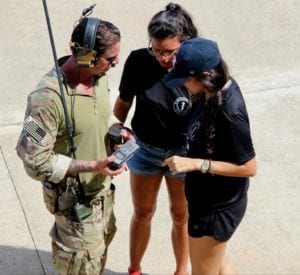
[72, 146]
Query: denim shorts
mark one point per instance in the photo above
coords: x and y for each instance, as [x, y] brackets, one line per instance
[147, 160]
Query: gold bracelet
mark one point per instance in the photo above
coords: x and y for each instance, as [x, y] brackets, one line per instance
[210, 166]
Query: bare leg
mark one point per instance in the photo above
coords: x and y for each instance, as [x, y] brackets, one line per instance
[227, 268]
[178, 209]
[144, 191]
[207, 255]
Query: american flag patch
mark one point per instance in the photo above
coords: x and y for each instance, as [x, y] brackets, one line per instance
[34, 130]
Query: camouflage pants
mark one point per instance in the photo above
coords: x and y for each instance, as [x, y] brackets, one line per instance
[81, 248]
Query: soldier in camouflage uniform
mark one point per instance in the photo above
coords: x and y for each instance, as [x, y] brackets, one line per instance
[78, 246]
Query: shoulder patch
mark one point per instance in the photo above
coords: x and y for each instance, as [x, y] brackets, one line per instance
[32, 128]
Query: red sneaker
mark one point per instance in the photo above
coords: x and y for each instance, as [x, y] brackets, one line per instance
[134, 272]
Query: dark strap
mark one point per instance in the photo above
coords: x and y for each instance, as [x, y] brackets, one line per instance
[90, 33]
[50, 185]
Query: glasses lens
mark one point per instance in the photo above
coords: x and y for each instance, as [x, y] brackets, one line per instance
[110, 60]
[158, 53]
[169, 53]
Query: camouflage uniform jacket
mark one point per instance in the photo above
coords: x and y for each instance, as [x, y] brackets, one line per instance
[43, 143]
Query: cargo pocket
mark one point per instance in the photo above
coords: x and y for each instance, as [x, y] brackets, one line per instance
[109, 219]
[50, 194]
[109, 222]
[63, 261]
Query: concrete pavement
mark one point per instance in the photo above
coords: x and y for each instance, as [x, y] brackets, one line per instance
[259, 39]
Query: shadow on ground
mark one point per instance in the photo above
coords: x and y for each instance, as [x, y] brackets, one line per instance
[23, 261]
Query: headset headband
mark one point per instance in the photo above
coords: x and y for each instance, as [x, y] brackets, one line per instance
[90, 33]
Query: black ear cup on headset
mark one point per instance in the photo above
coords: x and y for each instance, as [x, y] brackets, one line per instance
[85, 54]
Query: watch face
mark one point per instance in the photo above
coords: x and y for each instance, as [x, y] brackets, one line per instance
[205, 166]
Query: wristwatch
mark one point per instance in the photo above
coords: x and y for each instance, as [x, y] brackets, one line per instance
[205, 166]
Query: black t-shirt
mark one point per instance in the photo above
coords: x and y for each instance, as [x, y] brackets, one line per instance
[209, 193]
[161, 113]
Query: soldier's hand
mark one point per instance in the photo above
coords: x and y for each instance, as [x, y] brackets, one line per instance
[102, 167]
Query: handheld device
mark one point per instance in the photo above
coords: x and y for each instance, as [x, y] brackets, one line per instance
[124, 153]
[115, 137]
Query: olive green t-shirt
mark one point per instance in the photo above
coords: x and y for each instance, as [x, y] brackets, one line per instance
[43, 151]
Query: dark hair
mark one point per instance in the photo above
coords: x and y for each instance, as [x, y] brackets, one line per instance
[214, 82]
[107, 35]
[217, 78]
[171, 22]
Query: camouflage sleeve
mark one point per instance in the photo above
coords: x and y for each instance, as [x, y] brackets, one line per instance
[42, 123]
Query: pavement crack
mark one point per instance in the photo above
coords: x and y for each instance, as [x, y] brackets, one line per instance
[23, 210]
[268, 89]
[11, 124]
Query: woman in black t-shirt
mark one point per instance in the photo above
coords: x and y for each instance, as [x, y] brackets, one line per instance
[220, 157]
[159, 123]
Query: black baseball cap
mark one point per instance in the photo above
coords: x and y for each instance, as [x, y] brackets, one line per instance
[194, 57]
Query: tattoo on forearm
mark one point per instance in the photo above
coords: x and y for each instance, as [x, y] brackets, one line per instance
[79, 166]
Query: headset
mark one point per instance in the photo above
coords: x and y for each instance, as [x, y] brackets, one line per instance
[85, 54]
